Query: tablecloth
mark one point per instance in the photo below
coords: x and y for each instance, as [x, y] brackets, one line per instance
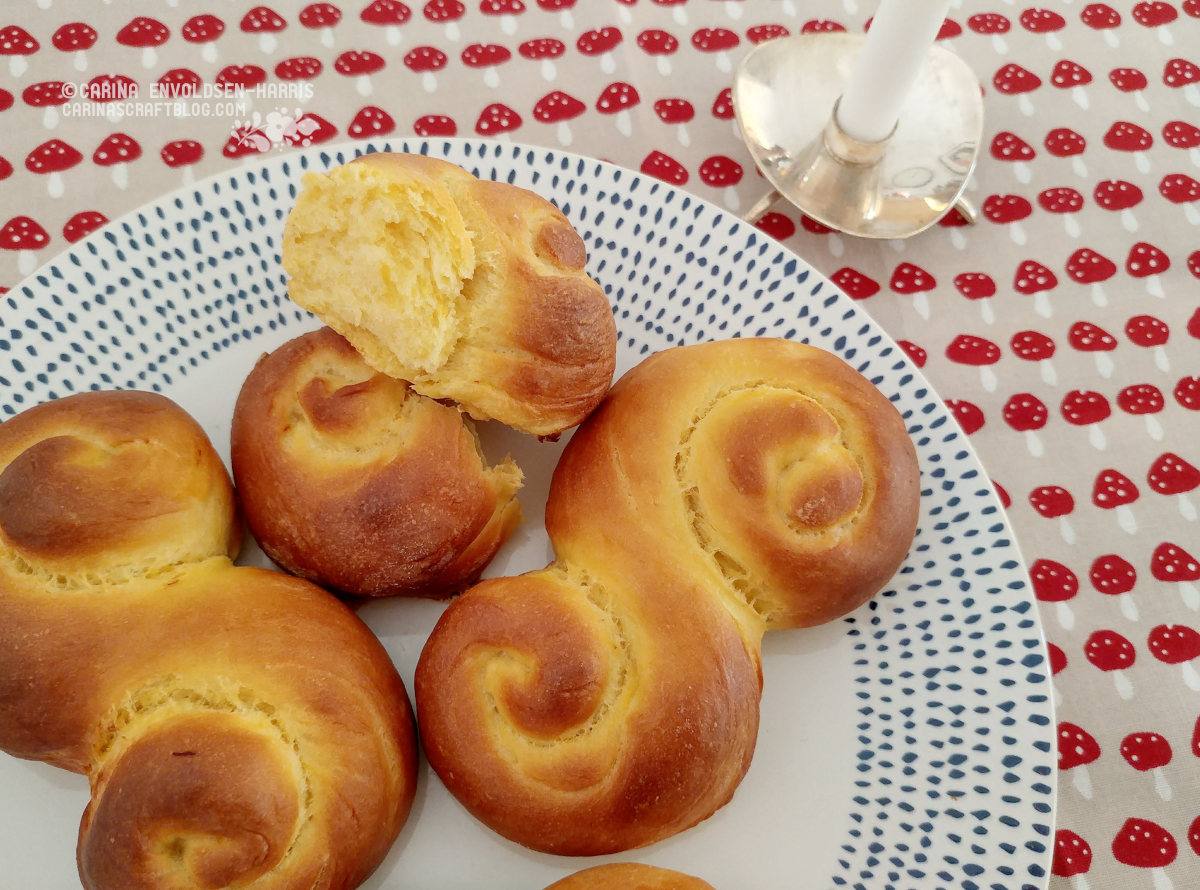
[1063, 327]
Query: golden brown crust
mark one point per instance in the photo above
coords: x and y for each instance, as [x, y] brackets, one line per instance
[84, 501]
[629, 876]
[517, 332]
[798, 479]
[611, 699]
[348, 478]
[235, 724]
[234, 672]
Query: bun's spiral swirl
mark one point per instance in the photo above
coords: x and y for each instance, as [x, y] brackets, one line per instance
[350, 479]
[238, 727]
[611, 699]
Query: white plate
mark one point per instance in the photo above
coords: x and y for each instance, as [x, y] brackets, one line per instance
[908, 746]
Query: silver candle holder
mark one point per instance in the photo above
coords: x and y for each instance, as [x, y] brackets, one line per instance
[786, 93]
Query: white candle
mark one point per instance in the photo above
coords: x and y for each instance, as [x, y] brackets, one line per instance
[896, 45]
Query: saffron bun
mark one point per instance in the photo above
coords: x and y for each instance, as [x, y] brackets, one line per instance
[629, 876]
[473, 291]
[237, 726]
[349, 478]
[611, 699]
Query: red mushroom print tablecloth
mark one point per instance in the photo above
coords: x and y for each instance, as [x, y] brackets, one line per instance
[1062, 328]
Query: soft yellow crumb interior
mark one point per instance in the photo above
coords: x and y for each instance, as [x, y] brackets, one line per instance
[381, 256]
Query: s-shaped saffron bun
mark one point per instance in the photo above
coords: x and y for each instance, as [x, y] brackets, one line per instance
[350, 479]
[629, 876]
[238, 727]
[721, 490]
[473, 291]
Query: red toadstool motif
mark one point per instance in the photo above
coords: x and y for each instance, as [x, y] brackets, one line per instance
[544, 50]
[1113, 490]
[115, 152]
[51, 159]
[855, 284]
[662, 166]
[1149, 752]
[1113, 653]
[1132, 81]
[616, 99]
[83, 224]
[321, 17]
[1187, 392]
[497, 118]
[1068, 75]
[1026, 413]
[1087, 336]
[425, 60]
[1055, 502]
[1088, 266]
[969, 349]
[908, 278]
[1173, 476]
[1119, 196]
[661, 45]
[1035, 280]
[370, 121]
[1063, 142]
[17, 43]
[266, 23]
[1072, 855]
[1036, 346]
[1063, 200]
[26, 236]
[1143, 399]
[1180, 188]
[146, 34]
[1012, 79]
[1055, 583]
[1147, 261]
[1177, 644]
[557, 107]
[678, 111]
[435, 125]
[969, 415]
[1145, 844]
[1171, 564]
[1076, 749]
[298, 68]
[1150, 332]
[1087, 408]
[1104, 18]
[1010, 147]
[359, 64]
[914, 351]
[1130, 137]
[76, 38]
[600, 42]
[1115, 576]
[977, 286]
[182, 153]
[718, 41]
[486, 56]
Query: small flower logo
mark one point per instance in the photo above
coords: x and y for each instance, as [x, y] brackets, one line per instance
[278, 128]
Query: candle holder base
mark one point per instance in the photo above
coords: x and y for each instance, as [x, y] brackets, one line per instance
[785, 94]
